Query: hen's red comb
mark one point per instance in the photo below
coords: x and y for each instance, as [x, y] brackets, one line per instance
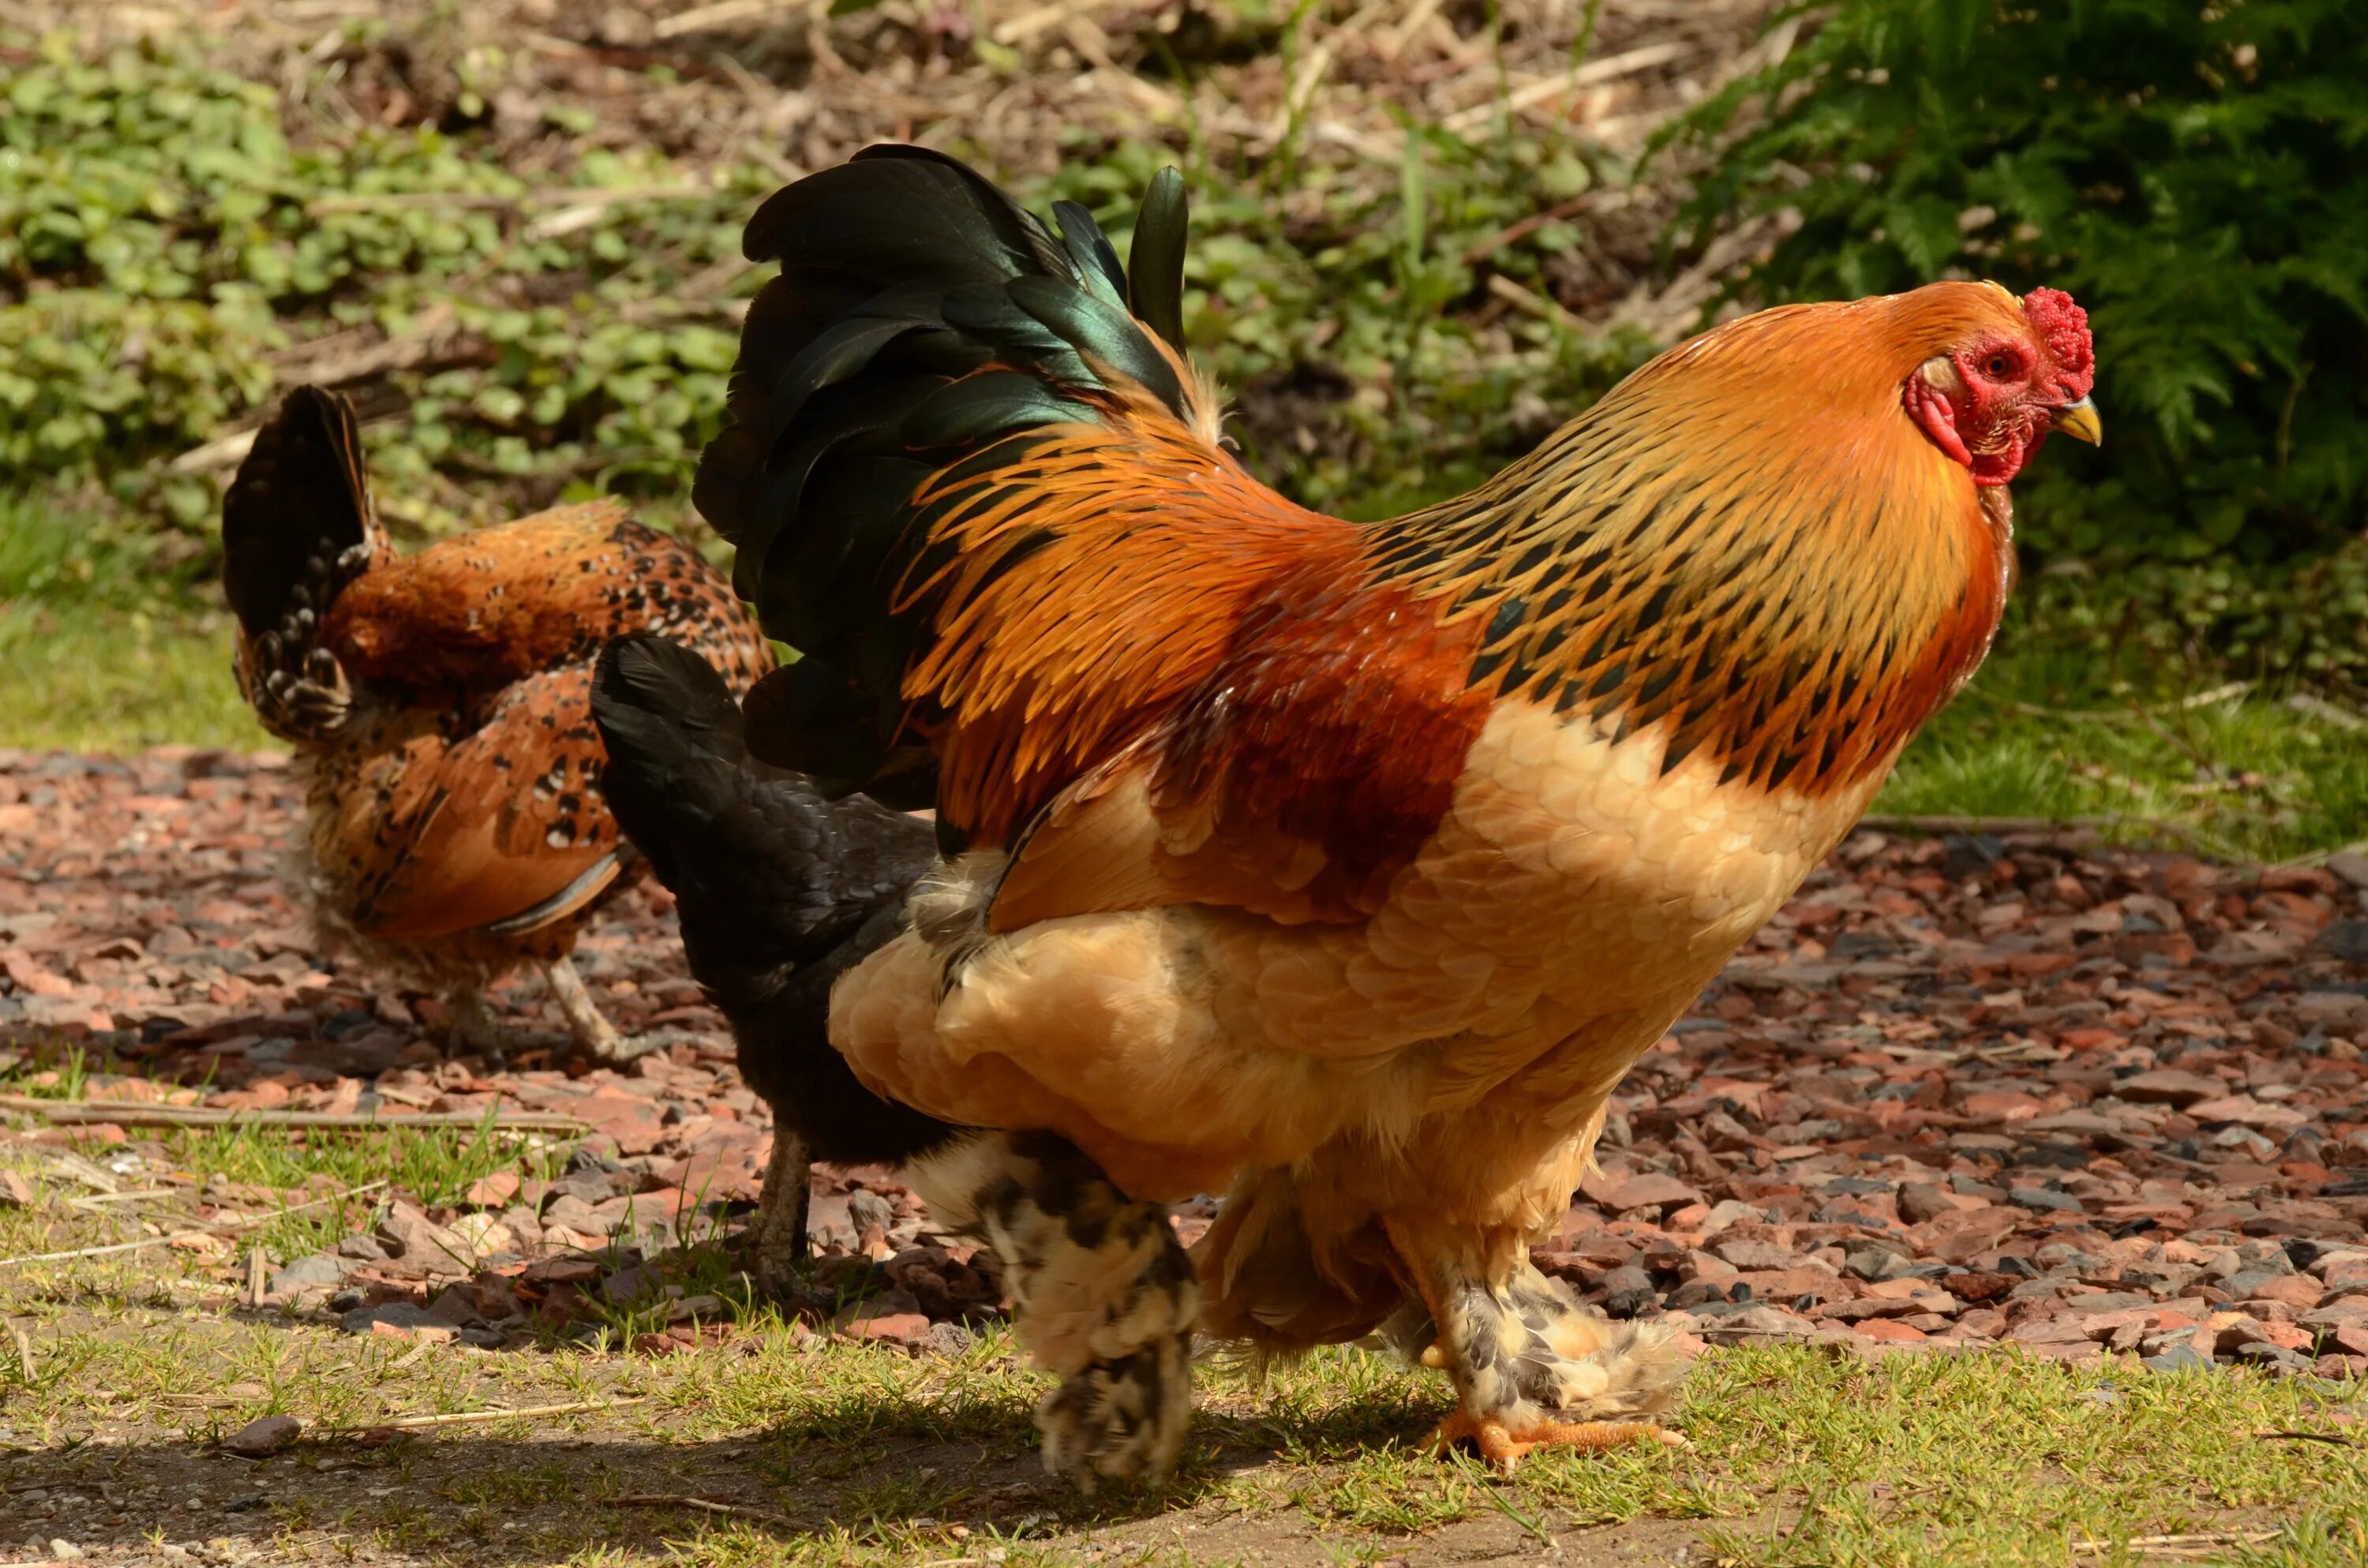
[2064, 325]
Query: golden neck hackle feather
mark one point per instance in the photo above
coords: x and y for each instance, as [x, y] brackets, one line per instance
[1749, 542]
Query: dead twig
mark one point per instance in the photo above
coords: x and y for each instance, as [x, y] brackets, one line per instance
[2320, 857]
[2176, 1543]
[2217, 694]
[703, 1505]
[220, 452]
[24, 1353]
[1531, 303]
[420, 351]
[2326, 712]
[441, 347]
[1609, 69]
[95, 1200]
[2279, 1435]
[219, 1227]
[477, 1417]
[101, 1251]
[1514, 234]
[134, 1113]
[720, 14]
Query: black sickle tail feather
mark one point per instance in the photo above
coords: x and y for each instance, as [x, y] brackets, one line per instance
[780, 890]
[921, 317]
[296, 529]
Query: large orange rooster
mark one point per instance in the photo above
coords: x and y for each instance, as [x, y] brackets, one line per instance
[1343, 868]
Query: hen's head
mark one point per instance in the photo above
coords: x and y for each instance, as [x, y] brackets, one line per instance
[2000, 374]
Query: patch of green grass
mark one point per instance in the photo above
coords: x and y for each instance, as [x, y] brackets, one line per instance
[2226, 769]
[87, 677]
[2000, 1458]
[1799, 1456]
[435, 1165]
[432, 1165]
[105, 645]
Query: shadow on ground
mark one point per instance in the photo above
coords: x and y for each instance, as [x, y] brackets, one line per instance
[879, 1481]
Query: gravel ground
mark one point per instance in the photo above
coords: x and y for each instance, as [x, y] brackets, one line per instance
[2030, 1089]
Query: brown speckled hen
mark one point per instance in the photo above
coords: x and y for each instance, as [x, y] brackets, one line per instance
[440, 706]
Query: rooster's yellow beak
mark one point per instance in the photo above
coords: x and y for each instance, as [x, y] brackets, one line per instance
[2079, 421]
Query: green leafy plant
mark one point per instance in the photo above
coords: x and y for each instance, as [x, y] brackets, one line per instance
[169, 260]
[175, 251]
[1365, 379]
[2196, 174]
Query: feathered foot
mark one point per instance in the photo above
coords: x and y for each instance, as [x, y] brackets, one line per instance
[1102, 1295]
[775, 1239]
[594, 1035]
[1533, 1365]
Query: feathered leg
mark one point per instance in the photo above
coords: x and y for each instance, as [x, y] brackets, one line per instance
[1102, 1295]
[775, 1239]
[1533, 1366]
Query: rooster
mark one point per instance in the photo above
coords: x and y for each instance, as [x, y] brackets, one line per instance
[779, 893]
[438, 705]
[1341, 867]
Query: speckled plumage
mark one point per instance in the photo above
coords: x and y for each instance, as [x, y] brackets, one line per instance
[440, 702]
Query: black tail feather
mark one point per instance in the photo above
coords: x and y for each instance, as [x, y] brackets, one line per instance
[296, 529]
[1154, 280]
[942, 320]
[298, 503]
[780, 892]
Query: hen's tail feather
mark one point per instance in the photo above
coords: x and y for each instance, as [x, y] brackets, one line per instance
[945, 322]
[297, 527]
[299, 498]
[780, 890]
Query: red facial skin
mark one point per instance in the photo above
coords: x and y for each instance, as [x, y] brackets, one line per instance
[2007, 389]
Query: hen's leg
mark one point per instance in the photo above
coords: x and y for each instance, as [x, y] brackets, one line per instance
[475, 1027]
[1533, 1366]
[776, 1239]
[1102, 1295]
[594, 1035]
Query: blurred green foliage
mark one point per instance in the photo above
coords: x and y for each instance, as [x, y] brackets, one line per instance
[163, 244]
[2196, 174]
[173, 254]
[1375, 289]
[170, 258]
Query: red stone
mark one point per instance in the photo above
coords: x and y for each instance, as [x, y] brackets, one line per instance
[900, 1328]
[2297, 1290]
[635, 1122]
[1888, 1328]
[492, 1191]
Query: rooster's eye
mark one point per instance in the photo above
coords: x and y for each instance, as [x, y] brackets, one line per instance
[1998, 367]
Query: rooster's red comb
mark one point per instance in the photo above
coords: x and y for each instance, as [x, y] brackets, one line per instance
[2064, 325]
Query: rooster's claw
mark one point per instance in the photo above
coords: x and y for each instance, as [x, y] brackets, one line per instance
[1506, 1450]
